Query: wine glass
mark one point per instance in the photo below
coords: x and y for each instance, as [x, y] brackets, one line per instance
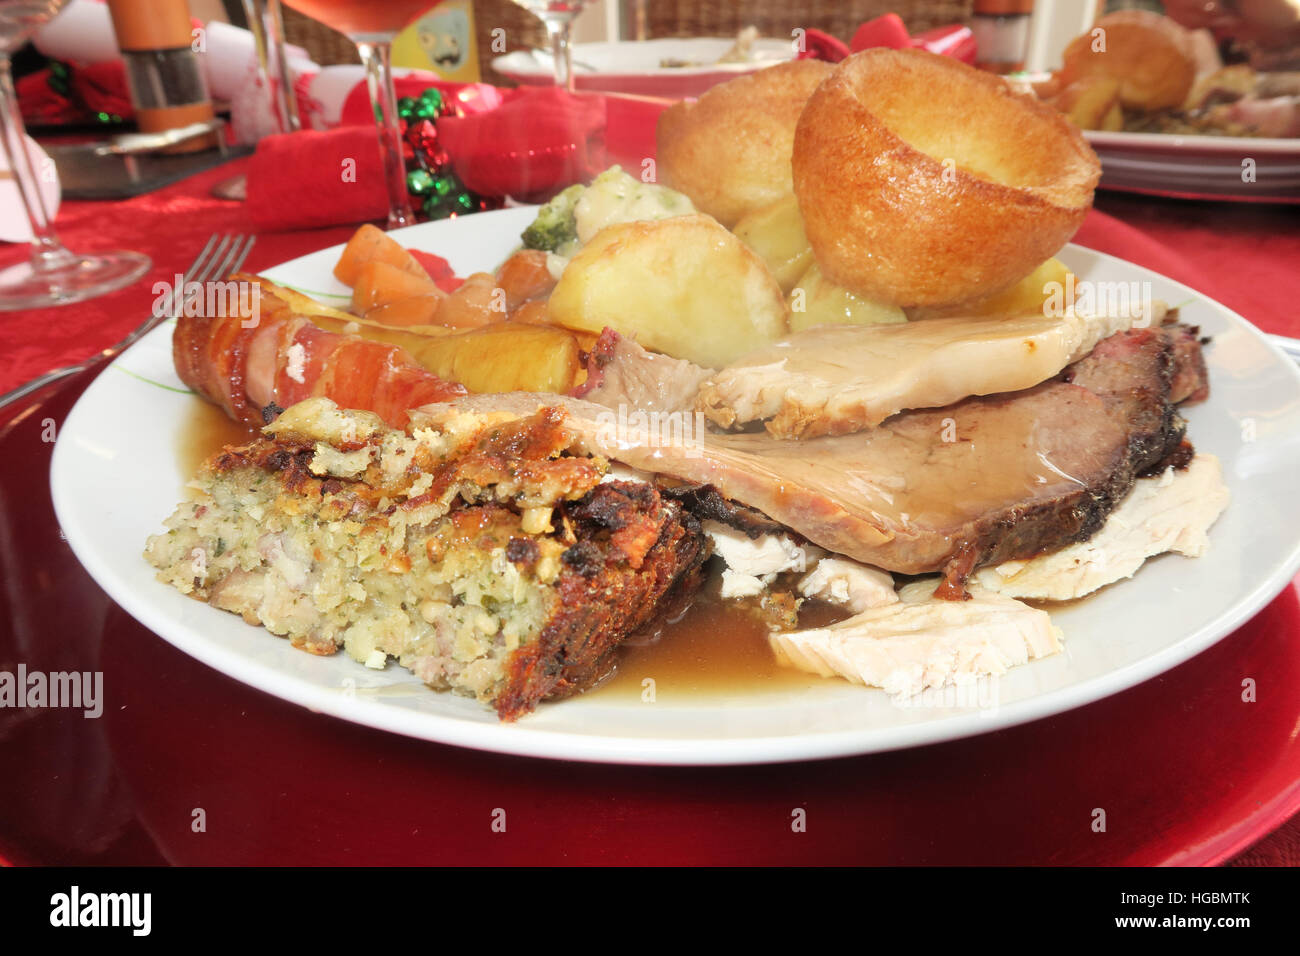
[557, 16]
[371, 25]
[52, 275]
[266, 23]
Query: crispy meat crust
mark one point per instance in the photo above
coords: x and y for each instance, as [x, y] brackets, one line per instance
[708, 504]
[636, 553]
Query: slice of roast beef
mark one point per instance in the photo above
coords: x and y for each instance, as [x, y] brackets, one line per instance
[988, 479]
[1191, 382]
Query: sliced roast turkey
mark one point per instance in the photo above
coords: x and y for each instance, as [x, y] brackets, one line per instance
[836, 379]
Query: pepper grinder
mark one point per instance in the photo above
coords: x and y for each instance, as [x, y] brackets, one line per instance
[168, 89]
[1001, 30]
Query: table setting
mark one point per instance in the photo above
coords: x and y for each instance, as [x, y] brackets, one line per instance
[387, 222]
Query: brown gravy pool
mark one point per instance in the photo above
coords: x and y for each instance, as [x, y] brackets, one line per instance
[714, 649]
[206, 431]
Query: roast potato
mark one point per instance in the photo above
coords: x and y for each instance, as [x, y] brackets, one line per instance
[503, 357]
[683, 286]
[817, 301]
[1030, 294]
[776, 233]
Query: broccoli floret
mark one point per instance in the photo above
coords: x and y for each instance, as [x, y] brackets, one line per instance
[555, 226]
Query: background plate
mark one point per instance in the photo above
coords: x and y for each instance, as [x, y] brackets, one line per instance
[1209, 167]
[632, 67]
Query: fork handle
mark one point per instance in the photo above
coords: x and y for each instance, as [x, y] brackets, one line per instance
[22, 391]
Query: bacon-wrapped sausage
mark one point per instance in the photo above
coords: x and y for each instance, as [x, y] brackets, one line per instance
[247, 365]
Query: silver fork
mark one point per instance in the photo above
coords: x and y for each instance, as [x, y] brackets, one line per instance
[221, 256]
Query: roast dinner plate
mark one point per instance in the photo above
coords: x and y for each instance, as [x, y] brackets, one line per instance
[1212, 167]
[636, 67]
[117, 473]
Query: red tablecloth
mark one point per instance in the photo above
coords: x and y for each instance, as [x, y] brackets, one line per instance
[1245, 256]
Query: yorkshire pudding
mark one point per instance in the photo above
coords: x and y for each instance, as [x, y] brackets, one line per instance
[729, 151]
[1152, 58]
[923, 181]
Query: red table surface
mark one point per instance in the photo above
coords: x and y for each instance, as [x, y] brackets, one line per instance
[279, 784]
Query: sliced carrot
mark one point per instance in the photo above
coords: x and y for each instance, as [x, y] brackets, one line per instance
[371, 244]
[525, 276]
[379, 283]
[479, 301]
[417, 310]
[532, 312]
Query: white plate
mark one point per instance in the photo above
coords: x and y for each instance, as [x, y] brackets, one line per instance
[633, 67]
[1210, 167]
[115, 477]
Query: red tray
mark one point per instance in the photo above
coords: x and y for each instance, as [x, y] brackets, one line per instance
[187, 766]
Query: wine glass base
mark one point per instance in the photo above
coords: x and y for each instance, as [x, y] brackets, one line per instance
[22, 287]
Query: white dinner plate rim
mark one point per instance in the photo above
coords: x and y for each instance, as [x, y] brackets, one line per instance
[519, 739]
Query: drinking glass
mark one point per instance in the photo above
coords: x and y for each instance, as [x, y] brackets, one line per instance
[52, 275]
[557, 16]
[371, 25]
[266, 23]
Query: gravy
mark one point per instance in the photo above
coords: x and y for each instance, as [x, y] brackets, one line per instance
[715, 649]
[206, 431]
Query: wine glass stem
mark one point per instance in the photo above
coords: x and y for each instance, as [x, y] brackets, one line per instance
[558, 30]
[287, 101]
[47, 252]
[265, 22]
[377, 57]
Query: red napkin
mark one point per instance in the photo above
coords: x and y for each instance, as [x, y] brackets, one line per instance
[309, 179]
[819, 45]
[889, 31]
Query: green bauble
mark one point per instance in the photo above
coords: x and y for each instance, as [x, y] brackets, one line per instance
[432, 98]
[419, 183]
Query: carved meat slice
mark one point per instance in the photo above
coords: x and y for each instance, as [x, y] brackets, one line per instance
[1170, 512]
[620, 373]
[983, 481]
[836, 379]
[855, 586]
[922, 642]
